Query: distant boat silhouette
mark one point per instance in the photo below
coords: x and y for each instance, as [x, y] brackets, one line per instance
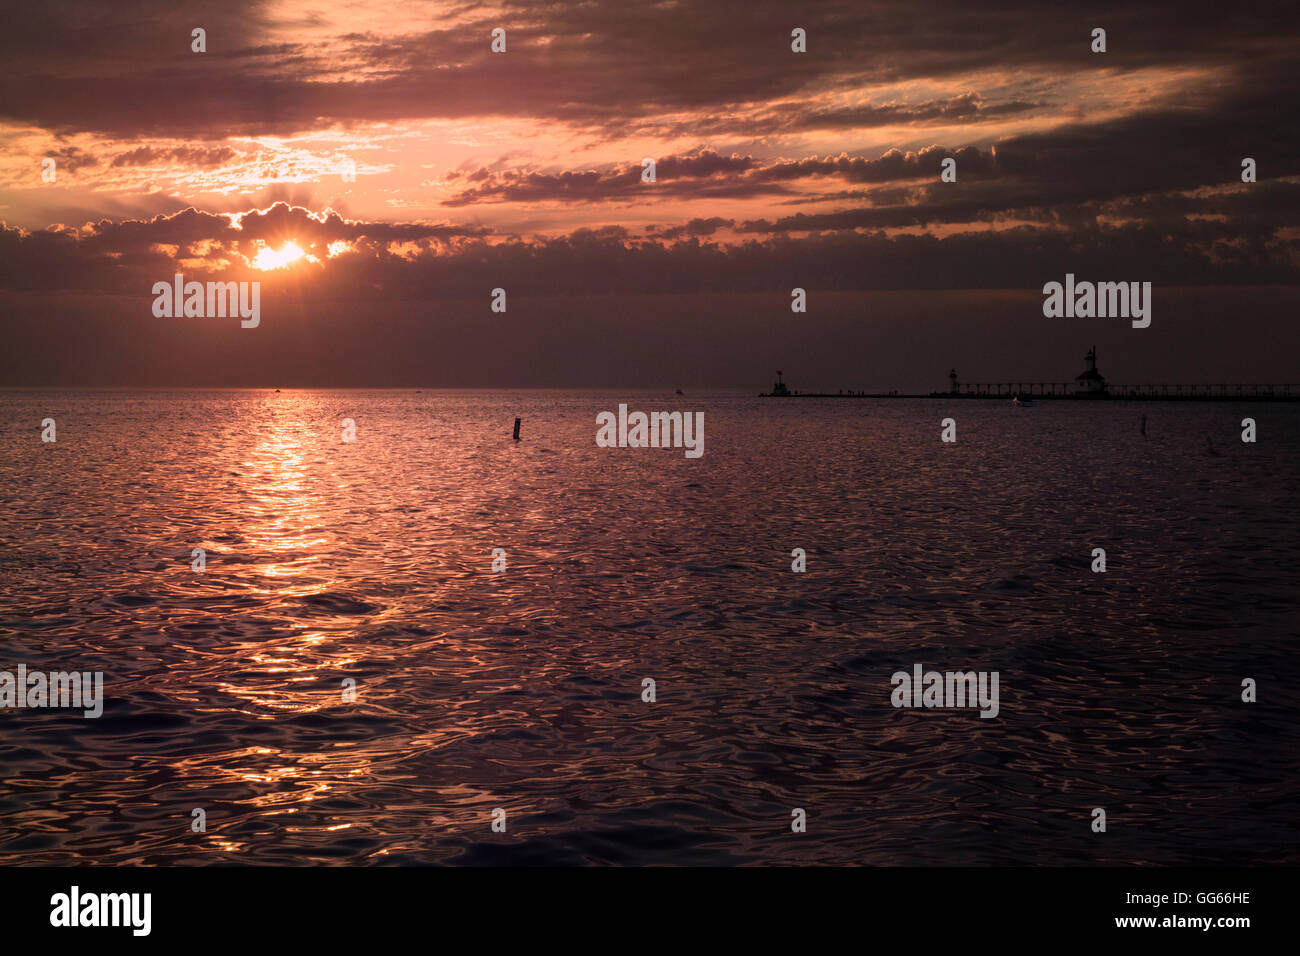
[1028, 403]
[680, 392]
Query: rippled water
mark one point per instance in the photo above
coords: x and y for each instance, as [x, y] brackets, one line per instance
[522, 689]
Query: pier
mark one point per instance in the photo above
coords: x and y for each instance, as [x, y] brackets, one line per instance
[1064, 391]
[1137, 393]
[1222, 392]
[1088, 385]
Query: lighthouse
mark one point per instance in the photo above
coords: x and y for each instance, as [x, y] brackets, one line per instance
[952, 382]
[1090, 381]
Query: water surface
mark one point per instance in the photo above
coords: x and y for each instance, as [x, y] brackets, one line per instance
[372, 560]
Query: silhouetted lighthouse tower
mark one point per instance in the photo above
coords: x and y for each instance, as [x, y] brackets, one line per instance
[1090, 381]
[952, 378]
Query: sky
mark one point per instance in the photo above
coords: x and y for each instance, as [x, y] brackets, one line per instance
[379, 169]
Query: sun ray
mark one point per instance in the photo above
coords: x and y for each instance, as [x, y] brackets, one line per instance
[268, 258]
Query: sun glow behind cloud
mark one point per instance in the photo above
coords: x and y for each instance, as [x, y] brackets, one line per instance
[268, 258]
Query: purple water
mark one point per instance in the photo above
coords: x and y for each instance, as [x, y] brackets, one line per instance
[372, 560]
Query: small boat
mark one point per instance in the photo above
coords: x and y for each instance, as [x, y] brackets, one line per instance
[1027, 403]
[680, 392]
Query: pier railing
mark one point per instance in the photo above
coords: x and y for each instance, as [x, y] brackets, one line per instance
[1070, 389]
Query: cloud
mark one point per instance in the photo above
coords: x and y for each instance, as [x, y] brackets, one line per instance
[191, 156]
[128, 71]
[695, 227]
[704, 174]
[70, 158]
[416, 260]
[805, 116]
[116, 256]
[1163, 170]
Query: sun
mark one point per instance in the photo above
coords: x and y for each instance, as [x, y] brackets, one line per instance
[268, 258]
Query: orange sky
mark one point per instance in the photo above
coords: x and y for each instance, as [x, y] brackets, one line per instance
[406, 159]
[291, 99]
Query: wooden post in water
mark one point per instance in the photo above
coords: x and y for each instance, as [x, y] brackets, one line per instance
[517, 429]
